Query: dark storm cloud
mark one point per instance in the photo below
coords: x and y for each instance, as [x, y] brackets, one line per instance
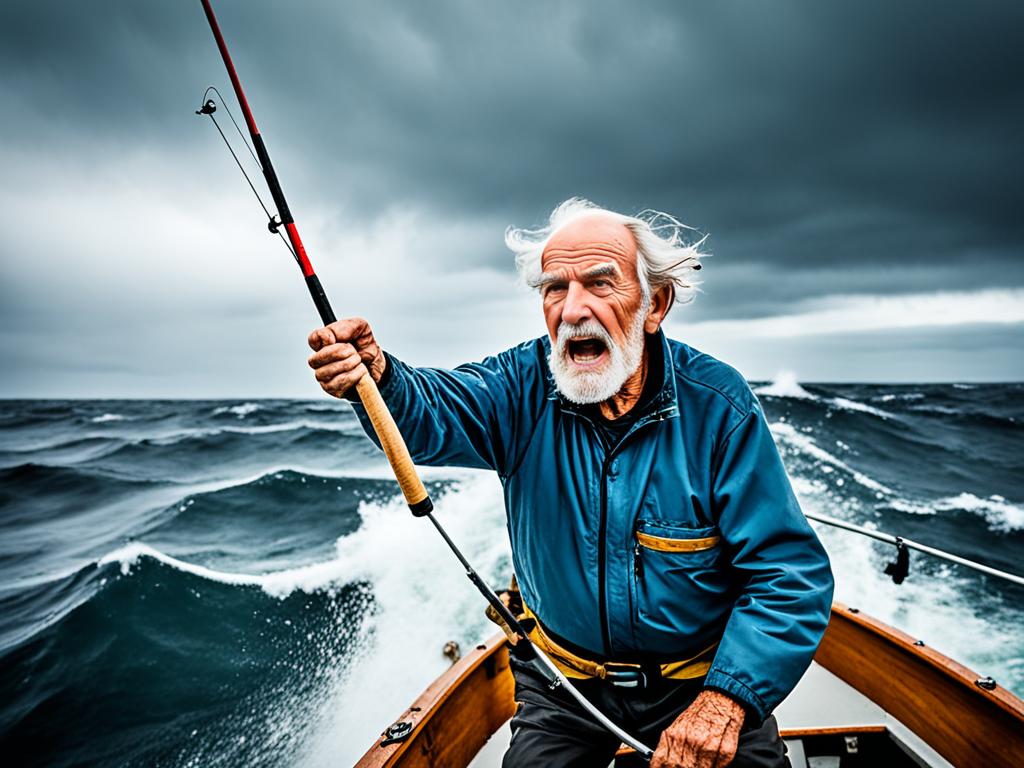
[827, 147]
[743, 117]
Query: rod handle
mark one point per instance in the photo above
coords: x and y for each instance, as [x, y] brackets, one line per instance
[391, 441]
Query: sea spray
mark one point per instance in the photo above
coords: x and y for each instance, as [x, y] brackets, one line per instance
[422, 600]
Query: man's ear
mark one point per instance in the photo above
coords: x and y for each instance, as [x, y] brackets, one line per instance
[661, 303]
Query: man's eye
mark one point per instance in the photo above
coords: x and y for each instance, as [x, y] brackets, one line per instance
[554, 288]
[602, 284]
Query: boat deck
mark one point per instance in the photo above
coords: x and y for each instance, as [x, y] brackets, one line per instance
[852, 730]
[873, 696]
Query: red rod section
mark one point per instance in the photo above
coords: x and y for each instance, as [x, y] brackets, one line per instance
[316, 291]
[300, 251]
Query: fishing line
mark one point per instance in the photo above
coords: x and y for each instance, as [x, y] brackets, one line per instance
[227, 109]
[208, 108]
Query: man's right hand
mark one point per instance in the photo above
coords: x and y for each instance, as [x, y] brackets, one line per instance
[340, 352]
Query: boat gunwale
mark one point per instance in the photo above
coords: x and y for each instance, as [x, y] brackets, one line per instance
[949, 667]
[433, 698]
[430, 702]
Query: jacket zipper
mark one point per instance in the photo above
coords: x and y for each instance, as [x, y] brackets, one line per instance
[602, 547]
[602, 543]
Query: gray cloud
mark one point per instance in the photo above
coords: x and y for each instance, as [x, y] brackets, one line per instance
[828, 148]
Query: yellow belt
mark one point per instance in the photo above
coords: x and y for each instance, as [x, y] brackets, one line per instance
[579, 668]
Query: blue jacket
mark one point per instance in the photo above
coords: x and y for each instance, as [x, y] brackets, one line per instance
[699, 466]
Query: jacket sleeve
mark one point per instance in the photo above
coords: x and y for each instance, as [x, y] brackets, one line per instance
[783, 605]
[471, 416]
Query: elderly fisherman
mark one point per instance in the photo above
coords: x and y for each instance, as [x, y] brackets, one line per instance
[663, 560]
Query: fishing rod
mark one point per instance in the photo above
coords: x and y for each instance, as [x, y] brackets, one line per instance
[390, 438]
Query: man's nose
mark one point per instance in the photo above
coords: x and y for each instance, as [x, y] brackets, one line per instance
[576, 307]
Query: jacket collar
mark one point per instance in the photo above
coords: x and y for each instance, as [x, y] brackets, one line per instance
[663, 405]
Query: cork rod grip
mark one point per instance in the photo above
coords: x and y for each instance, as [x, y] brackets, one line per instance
[393, 444]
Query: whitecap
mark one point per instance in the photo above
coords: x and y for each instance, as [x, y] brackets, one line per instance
[802, 443]
[941, 409]
[853, 405]
[419, 591]
[107, 417]
[898, 396]
[241, 411]
[1000, 514]
[280, 584]
[785, 385]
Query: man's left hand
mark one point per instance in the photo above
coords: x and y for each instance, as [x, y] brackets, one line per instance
[704, 736]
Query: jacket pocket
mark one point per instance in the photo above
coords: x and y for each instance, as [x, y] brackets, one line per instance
[671, 544]
[679, 582]
[676, 539]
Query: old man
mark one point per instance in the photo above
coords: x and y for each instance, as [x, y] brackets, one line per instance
[662, 557]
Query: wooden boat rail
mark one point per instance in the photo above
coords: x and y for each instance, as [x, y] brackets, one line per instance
[946, 704]
[937, 698]
[456, 715]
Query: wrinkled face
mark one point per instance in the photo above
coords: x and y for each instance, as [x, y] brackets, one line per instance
[594, 307]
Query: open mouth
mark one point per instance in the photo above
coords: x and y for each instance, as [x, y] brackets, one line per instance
[586, 350]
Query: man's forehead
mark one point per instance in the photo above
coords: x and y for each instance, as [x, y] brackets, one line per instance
[598, 235]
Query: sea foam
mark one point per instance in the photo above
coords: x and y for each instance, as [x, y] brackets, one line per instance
[785, 384]
[315, 577]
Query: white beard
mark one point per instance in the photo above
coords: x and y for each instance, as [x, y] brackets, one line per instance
[583, 386]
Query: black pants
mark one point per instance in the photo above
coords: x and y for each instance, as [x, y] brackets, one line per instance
[551, 729]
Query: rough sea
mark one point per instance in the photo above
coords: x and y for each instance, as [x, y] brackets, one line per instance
[212, 583]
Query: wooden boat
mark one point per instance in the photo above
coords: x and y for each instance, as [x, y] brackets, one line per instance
[873, 696]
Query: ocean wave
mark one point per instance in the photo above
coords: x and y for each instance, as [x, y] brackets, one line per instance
[66, 451]
[316, 577]
[31, 480]
[999, 514]
[107, 417]
[942, 410]
[192, 433]
[420, 591]
[789, 435]
[785, 384]
[241, 411]
[442, 482]
[854, 405]
[887, 398]
[173, 437]
[262, 668]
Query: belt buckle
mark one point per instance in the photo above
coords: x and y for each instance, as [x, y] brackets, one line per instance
[625, 676]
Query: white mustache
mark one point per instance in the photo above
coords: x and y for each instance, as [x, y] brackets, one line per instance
[591, 327]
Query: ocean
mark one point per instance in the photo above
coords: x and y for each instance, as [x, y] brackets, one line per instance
[230, 583]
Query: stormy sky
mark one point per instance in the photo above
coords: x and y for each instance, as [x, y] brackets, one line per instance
[856, 165]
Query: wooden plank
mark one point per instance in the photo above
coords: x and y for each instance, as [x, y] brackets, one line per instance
[934, 696]
[456, 715]
[850, 730]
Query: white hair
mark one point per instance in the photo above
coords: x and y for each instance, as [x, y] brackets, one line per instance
[663, 257]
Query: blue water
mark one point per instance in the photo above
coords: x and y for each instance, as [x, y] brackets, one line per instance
[194, 583]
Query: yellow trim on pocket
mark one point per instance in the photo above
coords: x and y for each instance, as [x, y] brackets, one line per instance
[665, 544]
